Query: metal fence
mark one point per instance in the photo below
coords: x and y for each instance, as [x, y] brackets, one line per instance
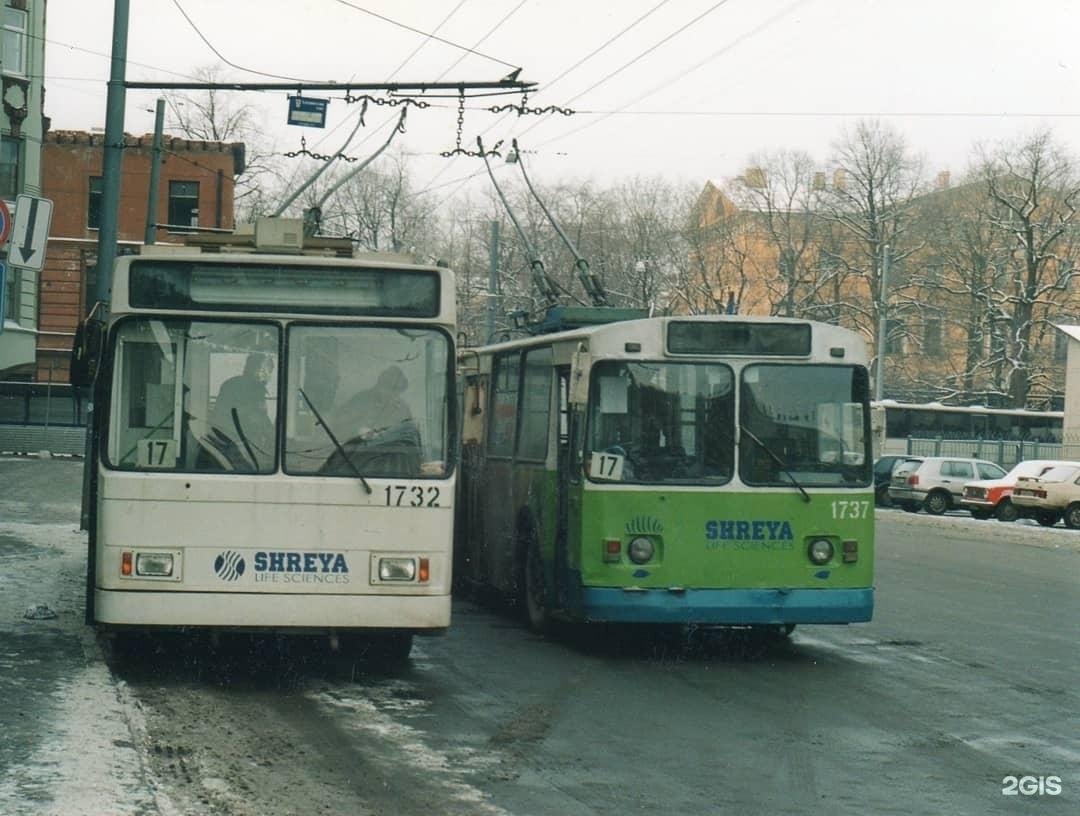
[1005, 452]
[42, 416]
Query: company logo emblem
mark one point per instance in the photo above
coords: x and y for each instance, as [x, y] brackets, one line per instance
[229, 565]
[644, 524]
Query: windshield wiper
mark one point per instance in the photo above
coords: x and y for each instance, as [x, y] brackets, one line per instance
[337, 445]
[244, 439]
[778, 460]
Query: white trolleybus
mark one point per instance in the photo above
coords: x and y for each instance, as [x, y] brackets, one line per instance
[699, 470]
[272, 441]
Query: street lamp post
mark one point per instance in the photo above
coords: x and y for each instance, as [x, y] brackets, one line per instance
[879, 372]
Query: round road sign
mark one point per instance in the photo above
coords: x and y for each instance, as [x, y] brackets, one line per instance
[5, 222]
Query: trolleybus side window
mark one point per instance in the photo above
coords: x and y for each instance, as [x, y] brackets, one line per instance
[535, 405]
[504, 400]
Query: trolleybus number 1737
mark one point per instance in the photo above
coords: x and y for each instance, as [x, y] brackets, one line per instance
[850, 509]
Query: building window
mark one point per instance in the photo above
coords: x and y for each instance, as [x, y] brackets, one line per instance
[9, 167]
[894, 335]
[932, 335]
[93, 204]
[14, 41]
[1061, 346]
[183, 205]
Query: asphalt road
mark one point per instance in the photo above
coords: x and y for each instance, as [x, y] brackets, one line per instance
[966, 677]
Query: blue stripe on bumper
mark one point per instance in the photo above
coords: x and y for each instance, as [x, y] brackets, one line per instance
[727, 606]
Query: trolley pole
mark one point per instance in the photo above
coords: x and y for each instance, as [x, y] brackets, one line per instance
[493, 282]
[879, 378]
[155, 174]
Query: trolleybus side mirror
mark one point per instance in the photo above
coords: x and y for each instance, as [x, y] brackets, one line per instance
[86, 351]
[579, 375]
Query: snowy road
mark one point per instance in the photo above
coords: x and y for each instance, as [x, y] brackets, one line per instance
[965, 677]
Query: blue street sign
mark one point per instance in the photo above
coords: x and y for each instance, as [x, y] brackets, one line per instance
[307, 112]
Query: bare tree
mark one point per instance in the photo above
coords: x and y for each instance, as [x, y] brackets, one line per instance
[220, 116]
[876, 182]
[1033, 190]
[779, 191]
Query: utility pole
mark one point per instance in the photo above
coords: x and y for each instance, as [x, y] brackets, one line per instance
[108, 226]
[493, 282]
[113, 153]
[155, 174]
[879, 373]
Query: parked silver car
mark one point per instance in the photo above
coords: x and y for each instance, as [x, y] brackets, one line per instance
[936, 483]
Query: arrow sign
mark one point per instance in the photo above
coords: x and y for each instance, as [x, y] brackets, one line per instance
[30, 232]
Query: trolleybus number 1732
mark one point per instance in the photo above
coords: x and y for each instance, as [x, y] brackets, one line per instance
[411, 496]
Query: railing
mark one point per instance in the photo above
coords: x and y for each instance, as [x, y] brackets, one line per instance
[42, 416]
[1006, 452]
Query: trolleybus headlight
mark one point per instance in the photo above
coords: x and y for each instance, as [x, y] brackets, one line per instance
[820, 550]
[397, 569]
[640, 550]
[159, 565]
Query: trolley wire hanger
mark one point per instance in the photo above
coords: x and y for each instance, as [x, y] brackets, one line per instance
[458, 149]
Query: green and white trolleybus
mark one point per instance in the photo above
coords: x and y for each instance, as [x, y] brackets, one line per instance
[273, 441]
[699, 470]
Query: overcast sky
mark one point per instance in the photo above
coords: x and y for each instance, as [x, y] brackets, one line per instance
[741, 75]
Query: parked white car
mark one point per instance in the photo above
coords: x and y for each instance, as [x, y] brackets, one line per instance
[936, 483]
[1054, 495]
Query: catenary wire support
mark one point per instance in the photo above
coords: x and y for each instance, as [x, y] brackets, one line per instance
[547, 287]
[392, 101]
[523, 109]
[458, 149]
[589, 281]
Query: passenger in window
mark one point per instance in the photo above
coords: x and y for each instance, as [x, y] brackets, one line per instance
[377, 431]
[374, 410]
[240, 421]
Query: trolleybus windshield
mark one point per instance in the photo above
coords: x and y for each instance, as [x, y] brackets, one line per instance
[663, 423]
[804, 423]
[219, 396]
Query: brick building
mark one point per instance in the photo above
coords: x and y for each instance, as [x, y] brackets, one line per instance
[196, 190]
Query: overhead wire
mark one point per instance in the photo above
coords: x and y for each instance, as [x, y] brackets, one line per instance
[547, 86]
[426, 40]
[430, 35]
[648, 50]
[481, 41]
[221, 56]
[768, 22]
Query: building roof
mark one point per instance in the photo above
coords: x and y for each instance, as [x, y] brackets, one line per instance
[1072, 331]
[172, 144]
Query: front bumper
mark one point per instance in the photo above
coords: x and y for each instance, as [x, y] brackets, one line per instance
[730, 607]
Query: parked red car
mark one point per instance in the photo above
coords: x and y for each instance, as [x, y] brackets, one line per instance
[993, 497]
